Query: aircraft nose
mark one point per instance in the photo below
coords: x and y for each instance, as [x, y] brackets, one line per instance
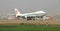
[43, 12]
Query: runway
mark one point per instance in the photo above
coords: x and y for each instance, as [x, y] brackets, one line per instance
[52, 22]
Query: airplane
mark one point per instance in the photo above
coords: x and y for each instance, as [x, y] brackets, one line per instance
[30, 15]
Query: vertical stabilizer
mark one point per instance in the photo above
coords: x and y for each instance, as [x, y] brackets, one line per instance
[17, 12]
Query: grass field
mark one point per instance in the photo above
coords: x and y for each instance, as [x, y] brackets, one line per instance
[28, 27]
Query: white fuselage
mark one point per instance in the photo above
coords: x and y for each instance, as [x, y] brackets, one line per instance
[38, 13]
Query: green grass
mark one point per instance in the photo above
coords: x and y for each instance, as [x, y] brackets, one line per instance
[30, 27]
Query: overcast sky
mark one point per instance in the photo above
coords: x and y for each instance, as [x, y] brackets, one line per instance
[26, 6]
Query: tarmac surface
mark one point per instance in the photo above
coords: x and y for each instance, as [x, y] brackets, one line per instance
[52, 22]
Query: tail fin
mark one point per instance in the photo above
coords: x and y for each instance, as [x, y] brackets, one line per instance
[17, 12]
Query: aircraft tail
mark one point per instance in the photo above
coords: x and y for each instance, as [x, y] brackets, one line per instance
[17, 12]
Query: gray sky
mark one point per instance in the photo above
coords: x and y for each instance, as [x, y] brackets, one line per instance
[25, 6]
